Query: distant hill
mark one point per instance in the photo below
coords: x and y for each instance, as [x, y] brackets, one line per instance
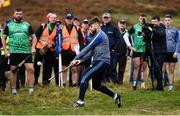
[36, 10]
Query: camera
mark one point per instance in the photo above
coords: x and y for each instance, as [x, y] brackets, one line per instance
[146, 31]
[58, 22]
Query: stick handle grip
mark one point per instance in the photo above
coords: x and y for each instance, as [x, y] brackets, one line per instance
[60, 72]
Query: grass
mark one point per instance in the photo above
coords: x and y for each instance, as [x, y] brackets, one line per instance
[53, 100]
[57, 101]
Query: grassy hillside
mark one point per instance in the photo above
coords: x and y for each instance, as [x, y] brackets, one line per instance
[36, 10]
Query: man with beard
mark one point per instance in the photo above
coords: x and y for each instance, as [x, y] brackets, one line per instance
[19, 32]
[159, 50]
[98, 48]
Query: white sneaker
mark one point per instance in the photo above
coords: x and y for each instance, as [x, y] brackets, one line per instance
[14, 91]
[170, 88]
[30, 90]
[117, 99]
[78, 103]
[143, 85]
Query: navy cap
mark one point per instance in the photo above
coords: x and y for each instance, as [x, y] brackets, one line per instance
[123, 21]
[69, 16]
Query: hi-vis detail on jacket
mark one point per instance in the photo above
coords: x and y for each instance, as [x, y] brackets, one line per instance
[47, 39]
[5, 3]
[70, 40]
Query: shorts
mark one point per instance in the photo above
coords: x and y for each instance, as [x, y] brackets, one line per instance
[16, 58]
[67, 57]
[178, 58]
[137, 54]
[169, 57]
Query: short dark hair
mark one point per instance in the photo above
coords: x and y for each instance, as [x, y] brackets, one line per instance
[168, 16]
[143, 15]
[18, 10]
[156, 17]
[94, 20]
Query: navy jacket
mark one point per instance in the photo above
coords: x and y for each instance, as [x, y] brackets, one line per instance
[112, 33]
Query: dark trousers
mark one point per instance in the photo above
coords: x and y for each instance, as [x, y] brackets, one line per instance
[21, 80]
[96, 73]
[122, 66]
[112, 71]
[156, 70]
[3, 67]
[50, 62]
[38, 58]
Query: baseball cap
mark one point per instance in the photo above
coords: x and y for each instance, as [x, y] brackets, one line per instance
[106, 15]
[69, 16]
[85, 21]
[123, 21]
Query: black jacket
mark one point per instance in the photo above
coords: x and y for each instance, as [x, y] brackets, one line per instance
[120, 46]
[159, 39]
[112, 33]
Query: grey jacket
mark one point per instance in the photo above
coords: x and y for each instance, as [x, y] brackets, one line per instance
[98, 49]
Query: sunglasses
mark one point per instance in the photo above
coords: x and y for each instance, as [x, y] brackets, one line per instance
[69, 18]
[105, 17]
[122, 22]
[85, 22]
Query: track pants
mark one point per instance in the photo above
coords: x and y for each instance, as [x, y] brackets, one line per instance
[95, 72]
